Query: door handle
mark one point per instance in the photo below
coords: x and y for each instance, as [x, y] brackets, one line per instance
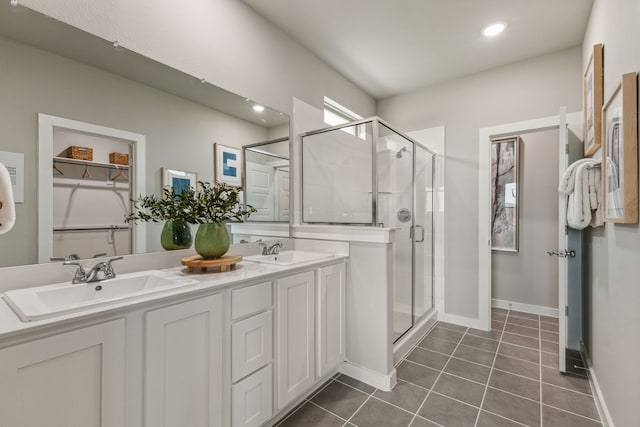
[562, 253]
[411, 236]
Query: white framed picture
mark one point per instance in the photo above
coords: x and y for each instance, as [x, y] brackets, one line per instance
[179, 180]
[228, 165]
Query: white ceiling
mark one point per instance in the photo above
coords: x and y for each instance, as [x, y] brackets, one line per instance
[389, 47]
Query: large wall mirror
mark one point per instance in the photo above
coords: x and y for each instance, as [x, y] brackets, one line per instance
[50, 69]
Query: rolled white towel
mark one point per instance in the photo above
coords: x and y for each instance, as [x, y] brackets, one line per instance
[7, 207]
[567, 182]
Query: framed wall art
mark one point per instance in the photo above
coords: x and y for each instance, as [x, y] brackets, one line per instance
[228, 165]
[179, 180]
[592, 101]
[504, 194]
[620, 153]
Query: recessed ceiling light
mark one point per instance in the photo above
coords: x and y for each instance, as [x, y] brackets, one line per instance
[258, 108]
[493, 29]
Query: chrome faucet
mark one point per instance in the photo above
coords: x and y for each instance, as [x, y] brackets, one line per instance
[101, 271]
[270, 250]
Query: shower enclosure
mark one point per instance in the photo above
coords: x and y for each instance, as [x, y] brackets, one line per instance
[366, 173]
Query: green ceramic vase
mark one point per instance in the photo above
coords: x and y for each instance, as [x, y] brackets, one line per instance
[212, 240]
[176, 234]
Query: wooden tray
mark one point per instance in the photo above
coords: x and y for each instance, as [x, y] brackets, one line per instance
[221, 264]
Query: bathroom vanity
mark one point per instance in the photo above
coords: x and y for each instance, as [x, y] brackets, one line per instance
[234, 349]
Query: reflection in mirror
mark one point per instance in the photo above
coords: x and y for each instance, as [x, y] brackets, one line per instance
[266, 181]
[52, 68]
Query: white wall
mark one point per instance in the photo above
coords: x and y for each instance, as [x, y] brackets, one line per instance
[614, 251]
[530, 276]
[521, 91]
[222, 41]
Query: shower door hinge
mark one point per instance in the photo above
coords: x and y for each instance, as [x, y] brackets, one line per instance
[566, 148]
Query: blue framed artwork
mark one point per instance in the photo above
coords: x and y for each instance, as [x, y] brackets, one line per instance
[228, 165]
[179, 180]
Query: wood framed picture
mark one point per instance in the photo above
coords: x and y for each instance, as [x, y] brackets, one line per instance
[179, 180]
[620, 153]
[504, 194]
[592, 101]
[228, 165]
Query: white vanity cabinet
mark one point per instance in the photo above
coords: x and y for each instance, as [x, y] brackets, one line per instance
[252, 355]
[183, 364]
[73, 379]
[331, 324]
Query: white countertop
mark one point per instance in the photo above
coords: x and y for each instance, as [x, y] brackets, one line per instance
[11, 326]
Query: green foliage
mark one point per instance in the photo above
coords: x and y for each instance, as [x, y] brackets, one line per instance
[211, 203]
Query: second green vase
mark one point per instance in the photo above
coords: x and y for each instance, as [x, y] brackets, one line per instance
[176, 234]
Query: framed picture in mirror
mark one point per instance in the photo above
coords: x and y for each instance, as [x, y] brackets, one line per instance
[228, 165]
[592, 84]
[620, 153]
[179, 180]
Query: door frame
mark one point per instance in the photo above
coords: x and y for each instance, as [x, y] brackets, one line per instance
[484, 200]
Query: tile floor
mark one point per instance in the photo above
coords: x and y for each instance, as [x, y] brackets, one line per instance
[458, 376]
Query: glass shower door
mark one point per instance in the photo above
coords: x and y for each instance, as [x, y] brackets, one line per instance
[423, 233]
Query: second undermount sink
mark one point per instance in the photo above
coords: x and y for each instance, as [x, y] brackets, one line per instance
[53, 300]
[289, 257]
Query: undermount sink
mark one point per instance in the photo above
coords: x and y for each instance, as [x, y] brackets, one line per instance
[289, 257]
[53, 300]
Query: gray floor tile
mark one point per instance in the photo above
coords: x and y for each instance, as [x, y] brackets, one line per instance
[515, 384]
[376, 413]
[427, 357]
[555, 377]
[496, 325]
[485, 419]
[499, 310]
[474, 355]
[523, 315]
[355, 383]
[548, 319]
[493, 334]
[523, 322]
[459, 389]
[549, 327]
[311, 415]
[522, 330]
[446, 334]
[578, 403]
[552, 417]
[549, 347]
[549, 336]
[417, 374]
[516, 366]
[448, 412]
[405, 395]
[340, 399]
[468, 370]
[519, 352]
[549, 359]
[481, 343]
[436, 344]
[451, 326]
[421, 422]
[520, 340]
[513, 407]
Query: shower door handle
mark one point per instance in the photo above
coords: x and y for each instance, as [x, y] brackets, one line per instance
[411, 236]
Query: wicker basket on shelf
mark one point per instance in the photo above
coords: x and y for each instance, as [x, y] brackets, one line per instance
[119, 158]
[79, 153]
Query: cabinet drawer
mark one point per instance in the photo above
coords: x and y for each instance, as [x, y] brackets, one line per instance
[249, 300]
[253, 399]
[251, 344]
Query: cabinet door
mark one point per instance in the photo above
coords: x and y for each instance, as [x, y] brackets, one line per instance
[253, 399]
[296, 342]
[331, 317]
[183, 364]
[74, 379]
[251, 344]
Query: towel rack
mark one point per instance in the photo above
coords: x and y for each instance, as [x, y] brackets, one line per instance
[92, 228]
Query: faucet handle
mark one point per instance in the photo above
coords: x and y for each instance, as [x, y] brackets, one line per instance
[100, 255]
[118, 258]
[81, 274]
[264, 247]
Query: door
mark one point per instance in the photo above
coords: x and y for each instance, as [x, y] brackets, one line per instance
[260, 190]
[569, 258]
[295, 326]
[331, 317]
[183, 364]
[74, 379]
[282, 194]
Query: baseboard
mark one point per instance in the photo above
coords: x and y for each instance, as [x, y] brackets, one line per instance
[407, 342]
[374, 379]
[601, 405]
[469, 322]
[526, 308]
